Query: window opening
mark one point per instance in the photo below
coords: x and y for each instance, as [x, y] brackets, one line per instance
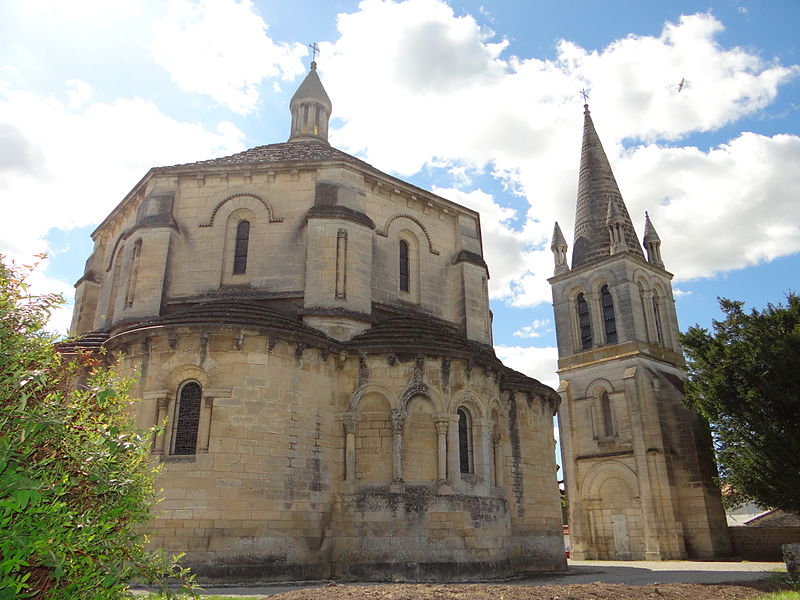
[404, 273]
[585, 323]
[464, 441]
[240, 252]
[657, 314]
[608, 315]
[608, 424]
[187, 419]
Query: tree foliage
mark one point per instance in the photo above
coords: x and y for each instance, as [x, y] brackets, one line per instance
[76, 479]
[744, 378]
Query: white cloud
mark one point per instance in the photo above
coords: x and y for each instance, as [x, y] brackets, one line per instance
[74, 166]
[221, 48]
[78, 93]
[539, 363]
[730, 207]
[535, 329]
[462, 102]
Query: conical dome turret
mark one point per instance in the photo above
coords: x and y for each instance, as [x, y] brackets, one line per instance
[311, 110]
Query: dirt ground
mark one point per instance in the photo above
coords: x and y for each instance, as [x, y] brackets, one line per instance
[587, 591]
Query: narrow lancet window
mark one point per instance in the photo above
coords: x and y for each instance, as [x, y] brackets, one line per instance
[608, 420]
[464, 441]
[657, 316]
[608, 315]
[187, 419]
[240, 251]
[404, 272]
[584, 323]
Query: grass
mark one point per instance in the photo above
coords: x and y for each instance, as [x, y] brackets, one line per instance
[785, 595]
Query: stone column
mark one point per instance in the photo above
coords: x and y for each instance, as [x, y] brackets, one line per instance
[441, 431]
[498, 458]
[398, 421]
[596, 316]
[651, 520]
[649, 317]
[349, 423]
[453, 465]
[482, 461]
[162, 404]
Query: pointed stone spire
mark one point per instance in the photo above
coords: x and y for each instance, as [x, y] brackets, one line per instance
[596, 184]
[311, 110]
[652, 242]
[559, 248]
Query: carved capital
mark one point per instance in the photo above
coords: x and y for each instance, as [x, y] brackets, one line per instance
[349, 422]
[398, 421]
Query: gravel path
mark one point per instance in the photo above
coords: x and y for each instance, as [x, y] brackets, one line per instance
[637, 573]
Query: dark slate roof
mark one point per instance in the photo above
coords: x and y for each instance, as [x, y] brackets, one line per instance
[285, 152]
[87, 343]
[237, 313]
[514, 380]
[596, 185]
[415, 335]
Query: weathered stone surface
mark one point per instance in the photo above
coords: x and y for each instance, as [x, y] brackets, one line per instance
[637, 463]
[331, 441]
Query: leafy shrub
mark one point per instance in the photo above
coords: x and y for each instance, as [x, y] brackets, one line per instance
[76, 477]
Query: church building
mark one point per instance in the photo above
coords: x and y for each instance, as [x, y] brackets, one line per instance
[316, 336]
[638, 464]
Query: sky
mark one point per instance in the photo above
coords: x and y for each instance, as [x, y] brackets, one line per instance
[477, 101]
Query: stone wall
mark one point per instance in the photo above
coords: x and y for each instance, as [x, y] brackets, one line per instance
[762, 543]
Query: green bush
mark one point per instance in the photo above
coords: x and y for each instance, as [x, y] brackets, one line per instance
[76, 477]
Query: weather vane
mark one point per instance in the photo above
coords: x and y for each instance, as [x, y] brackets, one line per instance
[314, 50]
[585, 95]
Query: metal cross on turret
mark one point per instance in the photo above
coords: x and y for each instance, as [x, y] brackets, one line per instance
[314, 51]
[585, 95]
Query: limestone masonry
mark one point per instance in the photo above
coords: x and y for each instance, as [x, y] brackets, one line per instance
[316, 335]
[638, 464]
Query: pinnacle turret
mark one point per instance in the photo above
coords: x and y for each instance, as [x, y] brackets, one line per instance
[596, 187]
[652, 242]
[559, 248]
[311, 110]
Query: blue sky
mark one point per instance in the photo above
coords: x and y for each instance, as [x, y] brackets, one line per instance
[476, 100]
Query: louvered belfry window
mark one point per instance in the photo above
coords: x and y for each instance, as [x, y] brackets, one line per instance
[609, 319]
[584, 322]
[187, 419]
[240, 252]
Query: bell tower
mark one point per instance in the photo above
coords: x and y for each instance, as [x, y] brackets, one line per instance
[637, 463]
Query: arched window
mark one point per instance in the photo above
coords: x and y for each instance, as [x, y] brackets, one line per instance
[187, 418]
[657, 316]
[404, 272]
[240, 251]
[464, 441]
[608, 419]
[584, 323]
[608, 315]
